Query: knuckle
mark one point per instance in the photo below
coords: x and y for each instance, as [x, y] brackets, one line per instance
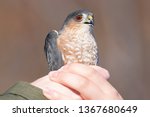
[106, 73]
[61, 77]
[83, 84]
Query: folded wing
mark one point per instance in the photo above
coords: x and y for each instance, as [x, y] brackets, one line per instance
[53, 55]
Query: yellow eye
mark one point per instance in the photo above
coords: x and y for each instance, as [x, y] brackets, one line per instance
[79, 17]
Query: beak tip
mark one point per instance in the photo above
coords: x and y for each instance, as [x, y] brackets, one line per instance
[92, 22]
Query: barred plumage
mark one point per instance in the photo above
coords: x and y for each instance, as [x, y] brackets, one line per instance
[75, 42]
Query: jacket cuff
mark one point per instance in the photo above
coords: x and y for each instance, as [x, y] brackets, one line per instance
[26, 91]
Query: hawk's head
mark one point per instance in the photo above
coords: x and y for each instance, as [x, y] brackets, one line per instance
[80, 17]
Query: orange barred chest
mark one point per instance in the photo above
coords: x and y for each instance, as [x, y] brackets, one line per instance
[79, 48]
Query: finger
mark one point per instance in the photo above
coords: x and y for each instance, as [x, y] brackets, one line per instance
[62, 89]
[83, 70]
[102, 71]
[86, 88]
[95, 74]
[55, 95]
[82, 85]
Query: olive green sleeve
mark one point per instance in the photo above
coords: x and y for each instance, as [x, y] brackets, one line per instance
[23, 91]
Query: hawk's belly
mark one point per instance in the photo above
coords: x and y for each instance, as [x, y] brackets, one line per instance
[80, 49]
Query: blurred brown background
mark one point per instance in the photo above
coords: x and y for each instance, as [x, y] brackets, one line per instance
[122, 30]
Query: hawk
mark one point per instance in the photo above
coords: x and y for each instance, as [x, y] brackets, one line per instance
[75, 41]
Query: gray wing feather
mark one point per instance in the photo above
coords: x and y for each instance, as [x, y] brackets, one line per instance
[53, 55]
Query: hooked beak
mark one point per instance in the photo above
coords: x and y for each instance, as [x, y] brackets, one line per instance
[90, 20]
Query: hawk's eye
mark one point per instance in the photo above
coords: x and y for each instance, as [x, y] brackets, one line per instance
[79, 17]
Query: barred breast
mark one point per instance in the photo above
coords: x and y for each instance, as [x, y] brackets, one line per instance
[78, 46]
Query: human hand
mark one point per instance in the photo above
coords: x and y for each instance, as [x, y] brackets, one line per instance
[83, 81]
[52, 88]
